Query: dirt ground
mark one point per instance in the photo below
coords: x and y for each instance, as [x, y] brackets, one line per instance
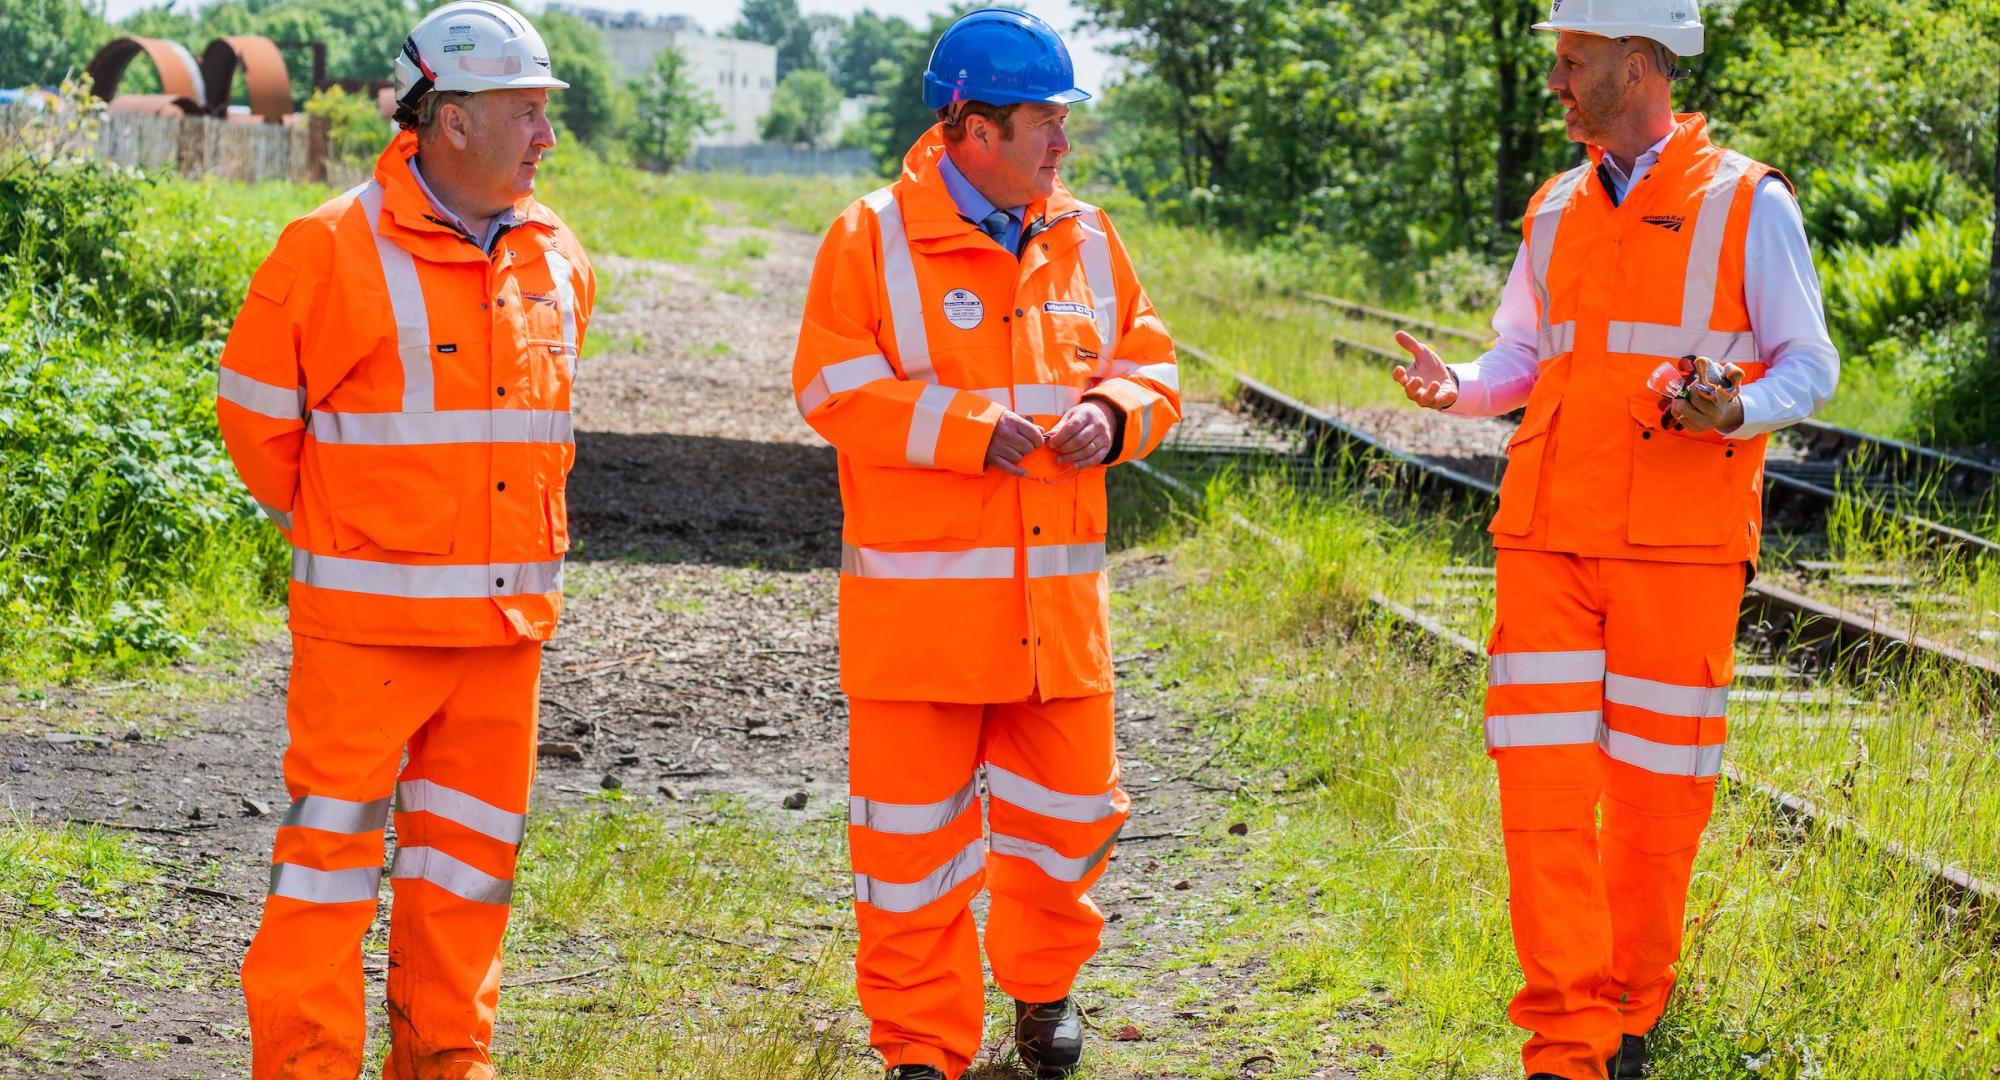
[696, 656]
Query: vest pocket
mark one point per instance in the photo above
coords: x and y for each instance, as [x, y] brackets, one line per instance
[1522, 478]
[891, 505]
[1687, 489]
[422, 524]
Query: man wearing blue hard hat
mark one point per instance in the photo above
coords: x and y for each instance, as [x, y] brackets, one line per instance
[978, 349]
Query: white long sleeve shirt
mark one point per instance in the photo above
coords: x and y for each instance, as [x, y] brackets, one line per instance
[1786, 314]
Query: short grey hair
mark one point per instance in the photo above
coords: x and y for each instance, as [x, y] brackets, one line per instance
[428, 106]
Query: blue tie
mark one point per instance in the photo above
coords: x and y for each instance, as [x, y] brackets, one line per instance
[995, 225]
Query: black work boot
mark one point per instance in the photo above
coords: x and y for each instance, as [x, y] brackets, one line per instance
[914, 1072]
[1632, 1061]
[1049, 1037]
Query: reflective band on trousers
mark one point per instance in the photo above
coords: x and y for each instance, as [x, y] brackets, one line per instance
[332, 815]
[1543, 729]
[1052, 862]
[1165, 374]
[1062, 560]
[911, 819]
[425, 796]
[1096, 255]
[842, 377]
[899, 280]
[903, 898]
[262, 398]
[406, 303]
[1667, 699]
[927, 425]
[425, 582]
[1545, 668]
[1014, 788]
[1588, 728]
[325, 886]
[434, 428]
[457, 878]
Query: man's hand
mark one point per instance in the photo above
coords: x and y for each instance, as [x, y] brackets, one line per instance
[1714, 401]
[1082, 438]
[1425, 380]
[1014, 438]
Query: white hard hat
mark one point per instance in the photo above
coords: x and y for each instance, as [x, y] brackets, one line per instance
[472, 45]
[1673, 23]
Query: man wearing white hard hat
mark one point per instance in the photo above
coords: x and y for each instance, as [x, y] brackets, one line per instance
[395, 393]
[1663, 317]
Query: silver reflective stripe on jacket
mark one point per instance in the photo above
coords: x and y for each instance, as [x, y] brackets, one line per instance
[927, 425]
[338, 815]
[458, 878]
[1012, 787]
[1045, 399]
[425, 582]
[911, 819]
[1052, 862]
[282, 517]
[325, 886]
[406, 302]
[973, 563]
[1062, 560]
[1545, 668]
[559, 269]
[842, 377]
[451, 804]
[1542, 234]
[438, 428]
[902, 898]
[1544, 729]
[1166, 374]
[262, 398]
[1096, 255]
[899, 279]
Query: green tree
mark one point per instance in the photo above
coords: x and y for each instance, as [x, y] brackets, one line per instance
[46, 39]
[671, 112]
[802, 110]
[898, 115]
[597, 108]
[869, 40]
[779, 23]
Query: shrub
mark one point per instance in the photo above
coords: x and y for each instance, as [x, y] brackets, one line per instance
[1462, 281]
[1877, 202]
[1934, 278]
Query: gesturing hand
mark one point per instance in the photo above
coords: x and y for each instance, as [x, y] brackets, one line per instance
[1082, 438]
[1014, 438]
[1425, 379]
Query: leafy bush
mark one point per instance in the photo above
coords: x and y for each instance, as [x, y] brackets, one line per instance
[1950, 376]
[70, 210]
[356, 130]
[1877, 202]
[1933, 278]
[1464, 281]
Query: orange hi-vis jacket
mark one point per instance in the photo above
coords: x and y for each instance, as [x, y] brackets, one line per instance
[398, 401]
[1622, 289]
[959, 583]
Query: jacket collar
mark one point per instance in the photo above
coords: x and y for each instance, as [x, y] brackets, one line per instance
[1687, 143]
[929, 211]
[410, 211]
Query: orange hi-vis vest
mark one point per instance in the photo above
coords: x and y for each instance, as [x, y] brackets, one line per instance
[398, 401]
[959, 583]
[1621, 289]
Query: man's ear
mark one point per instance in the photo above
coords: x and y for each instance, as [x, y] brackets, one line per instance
[978, 129]
[455, 121]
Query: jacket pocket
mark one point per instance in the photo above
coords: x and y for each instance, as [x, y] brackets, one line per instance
[1522, 478]
[424, 524]
[1093, 511]
[899, 505]
[555, 507]
[1688, 490]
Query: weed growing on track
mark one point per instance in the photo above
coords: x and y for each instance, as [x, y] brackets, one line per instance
[1379, 905]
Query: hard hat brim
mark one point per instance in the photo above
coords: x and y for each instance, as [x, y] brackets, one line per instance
[1682, 40]
[474, 85]
[938, 95]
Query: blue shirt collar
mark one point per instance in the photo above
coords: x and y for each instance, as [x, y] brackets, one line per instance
[970, 202]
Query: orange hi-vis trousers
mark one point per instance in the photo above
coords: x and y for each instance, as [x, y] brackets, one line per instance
[920, 856]
[467, 718]
[1605, 692]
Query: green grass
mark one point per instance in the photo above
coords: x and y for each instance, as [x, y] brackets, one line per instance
[1377, 902]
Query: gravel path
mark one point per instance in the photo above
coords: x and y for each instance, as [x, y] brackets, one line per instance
[696, 656]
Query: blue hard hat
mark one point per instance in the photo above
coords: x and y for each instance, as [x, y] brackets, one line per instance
[1002, 57]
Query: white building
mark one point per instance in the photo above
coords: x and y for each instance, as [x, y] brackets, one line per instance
[739, 76]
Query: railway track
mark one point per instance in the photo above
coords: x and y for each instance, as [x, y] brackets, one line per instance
[1797, 640]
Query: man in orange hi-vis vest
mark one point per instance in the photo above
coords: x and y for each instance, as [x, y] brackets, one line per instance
[978, 349]
[1663, 316]
[396, 394]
